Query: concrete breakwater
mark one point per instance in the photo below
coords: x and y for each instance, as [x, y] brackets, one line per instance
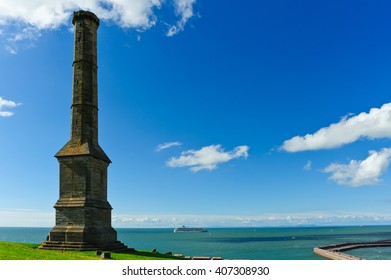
[334, 252]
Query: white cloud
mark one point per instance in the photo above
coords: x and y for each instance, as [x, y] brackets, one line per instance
[26, 36]
[49, 14]
[360, 173]
[6, 104]
[167, 145]
[207, 157]
[130, 14]
[183, 9]
[372, 125]
[41, 15]
[308, 165]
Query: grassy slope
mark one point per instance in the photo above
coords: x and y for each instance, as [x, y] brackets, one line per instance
[21, 251]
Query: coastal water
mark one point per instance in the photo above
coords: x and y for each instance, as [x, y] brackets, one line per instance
[237, 243]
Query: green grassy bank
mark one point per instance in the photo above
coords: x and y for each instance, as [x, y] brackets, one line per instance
[22, 251]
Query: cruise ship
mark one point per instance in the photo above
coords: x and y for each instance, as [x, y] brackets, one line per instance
[190, 229]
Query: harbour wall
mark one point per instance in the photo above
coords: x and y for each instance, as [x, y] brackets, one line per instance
[334, 252]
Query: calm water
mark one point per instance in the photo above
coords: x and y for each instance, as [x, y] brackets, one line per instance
[236, 243]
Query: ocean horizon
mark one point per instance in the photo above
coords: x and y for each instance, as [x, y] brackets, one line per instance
[268, 243]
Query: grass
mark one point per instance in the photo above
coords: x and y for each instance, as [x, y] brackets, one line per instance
[22, 251]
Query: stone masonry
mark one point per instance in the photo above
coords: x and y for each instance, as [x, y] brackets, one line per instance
[83, 214]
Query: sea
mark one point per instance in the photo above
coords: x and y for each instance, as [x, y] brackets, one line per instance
[283, 243]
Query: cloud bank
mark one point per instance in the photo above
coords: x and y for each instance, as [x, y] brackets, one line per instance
[373, 125]
[26, 218]
[263, 220]
[38, 218]
[360, 173]
[41, 15]
[208, 157]
[6, 104]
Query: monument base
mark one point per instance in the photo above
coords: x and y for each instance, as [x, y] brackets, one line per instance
[83, 246]
[81, 238]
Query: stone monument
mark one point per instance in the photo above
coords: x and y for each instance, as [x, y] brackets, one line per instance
[83, 214]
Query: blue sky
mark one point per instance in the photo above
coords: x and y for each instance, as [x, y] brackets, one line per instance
[214, 113]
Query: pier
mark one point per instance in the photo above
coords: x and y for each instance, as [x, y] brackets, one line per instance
[334, 252]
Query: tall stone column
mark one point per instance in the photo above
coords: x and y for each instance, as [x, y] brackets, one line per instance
[83, 214]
